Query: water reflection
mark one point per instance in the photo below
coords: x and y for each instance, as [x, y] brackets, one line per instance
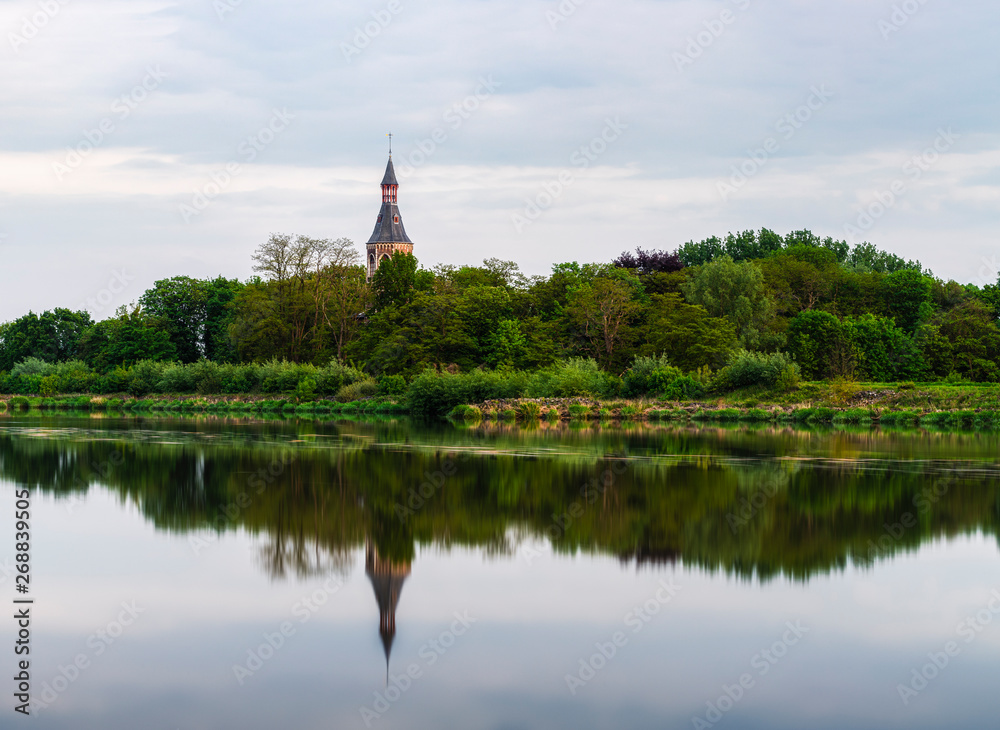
[775, 509]
[387, 577]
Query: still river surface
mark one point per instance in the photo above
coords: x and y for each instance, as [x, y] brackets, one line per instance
[224, 573]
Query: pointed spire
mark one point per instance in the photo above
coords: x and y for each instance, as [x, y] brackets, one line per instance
[389, 226]
[390, 174]
[387, 580]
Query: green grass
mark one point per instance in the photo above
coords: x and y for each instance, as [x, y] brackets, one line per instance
[528, 411]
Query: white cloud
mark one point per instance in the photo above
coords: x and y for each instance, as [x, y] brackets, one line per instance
[656, 186]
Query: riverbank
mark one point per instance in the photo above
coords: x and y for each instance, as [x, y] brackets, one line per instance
[198, 404]
[904, 404]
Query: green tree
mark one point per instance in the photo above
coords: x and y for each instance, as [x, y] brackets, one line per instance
[52, 336]
[972, 331]
[126, 339]
[906, 297]
[182, 303]
[686, 334]
[735, 291]
[395, 281]
[884, 351]
[603, 310]
[816, 341]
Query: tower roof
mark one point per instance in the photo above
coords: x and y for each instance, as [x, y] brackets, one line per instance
[389, 226]
[387, 579]
[390, 174]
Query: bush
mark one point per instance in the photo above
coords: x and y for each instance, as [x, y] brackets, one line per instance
[306, 390]
[145, 376]
[649, 376]
[579, 411]
[176, 378]
[631, 412]
[391, 385]
[357, 391]
[756, 369]
[529, 411]
[572, 378]
[19, 403]
[433, 394]
[684, 388]
[335, 375]
[466, 413]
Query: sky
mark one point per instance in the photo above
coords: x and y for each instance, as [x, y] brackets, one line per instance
[146, 139]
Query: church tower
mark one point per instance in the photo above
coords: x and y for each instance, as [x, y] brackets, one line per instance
[389, 236]
[387, 579]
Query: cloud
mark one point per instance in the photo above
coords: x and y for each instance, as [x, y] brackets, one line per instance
[557, 85]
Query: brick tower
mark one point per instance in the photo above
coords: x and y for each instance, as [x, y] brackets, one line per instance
[389, 236]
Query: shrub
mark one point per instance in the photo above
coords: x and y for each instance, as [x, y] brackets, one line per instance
[756, 369]
[391, 385]
[579, 411]
[433, 394]
[144, 377]
[306, 390]
[649, 376]
[822, 415]
[569, 379]
[335, 375]
[684, 388]
[176, 378]
[19, 403]
[631, 412]
[529, 411]
[356, 391]
[853, 415]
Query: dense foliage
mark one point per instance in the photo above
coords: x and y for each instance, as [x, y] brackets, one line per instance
[753, 309]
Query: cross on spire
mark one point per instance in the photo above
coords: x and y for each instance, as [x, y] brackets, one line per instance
[390, 143]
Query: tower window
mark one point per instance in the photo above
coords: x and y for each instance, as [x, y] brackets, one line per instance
[397, 219]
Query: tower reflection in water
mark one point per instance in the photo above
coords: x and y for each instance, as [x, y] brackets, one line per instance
[387, 579]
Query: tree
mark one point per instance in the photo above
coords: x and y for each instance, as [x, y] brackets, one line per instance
[815, 340]
[906, 297]
[649, 262]
[603, 310]
[395, 281]
[220, 295]
[125, 339]
[972, 331]
[800, 277]
[52, 336]
[884, 351]
[734, 290]
[866, 257]
[181, 302]
[686, 334]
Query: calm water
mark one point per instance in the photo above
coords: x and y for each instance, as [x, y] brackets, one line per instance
[226, 574]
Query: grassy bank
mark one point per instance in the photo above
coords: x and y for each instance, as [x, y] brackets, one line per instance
[182, 404]
[897, 404]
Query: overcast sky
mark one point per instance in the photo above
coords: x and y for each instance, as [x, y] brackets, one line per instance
[534, 130]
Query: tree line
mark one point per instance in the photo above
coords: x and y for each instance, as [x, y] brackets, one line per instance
[835, 310]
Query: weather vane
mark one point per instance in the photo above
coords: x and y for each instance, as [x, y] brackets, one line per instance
[390, 143]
